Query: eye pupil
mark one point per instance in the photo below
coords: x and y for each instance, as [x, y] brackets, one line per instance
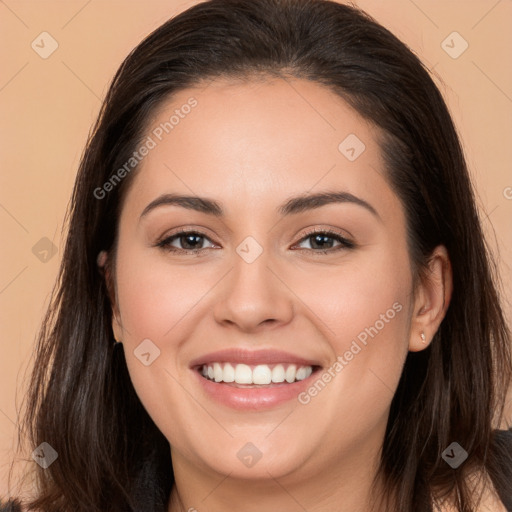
[187, 238]
[323, 239]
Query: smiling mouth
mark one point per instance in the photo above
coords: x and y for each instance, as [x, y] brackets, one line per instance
[255, 376]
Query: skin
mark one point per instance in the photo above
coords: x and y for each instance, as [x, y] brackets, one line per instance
[251, 145]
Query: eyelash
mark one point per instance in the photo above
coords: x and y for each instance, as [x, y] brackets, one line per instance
[344, 243]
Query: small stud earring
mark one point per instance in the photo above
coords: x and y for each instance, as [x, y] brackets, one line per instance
[423, 339]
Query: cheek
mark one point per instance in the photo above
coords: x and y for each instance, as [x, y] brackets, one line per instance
[156, 302]
[365, 298]
[163, 303]
[367, 309]
[155, 297]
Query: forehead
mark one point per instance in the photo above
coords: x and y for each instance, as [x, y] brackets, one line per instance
[254, 142]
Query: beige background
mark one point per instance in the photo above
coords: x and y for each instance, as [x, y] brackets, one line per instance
[47, 107]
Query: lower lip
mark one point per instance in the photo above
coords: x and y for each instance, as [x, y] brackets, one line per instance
[254, 398]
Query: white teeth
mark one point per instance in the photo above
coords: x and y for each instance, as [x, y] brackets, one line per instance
[278, 373]
[217, 372]
[243, 374]
[260, 374]
[303, 373]
[290, 373]
[229, 373]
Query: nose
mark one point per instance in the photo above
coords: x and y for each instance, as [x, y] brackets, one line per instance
[254, 296]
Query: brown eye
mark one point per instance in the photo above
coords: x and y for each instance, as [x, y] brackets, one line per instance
[190, 241]
[323, 241]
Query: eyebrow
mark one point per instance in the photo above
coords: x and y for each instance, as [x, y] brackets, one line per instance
[292, 206]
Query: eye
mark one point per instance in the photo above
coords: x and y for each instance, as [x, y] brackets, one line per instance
[322, 241]
[190, 241]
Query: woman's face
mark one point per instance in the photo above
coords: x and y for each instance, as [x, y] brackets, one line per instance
[264, 299]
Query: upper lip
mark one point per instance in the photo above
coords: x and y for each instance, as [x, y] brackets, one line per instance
[252, 357]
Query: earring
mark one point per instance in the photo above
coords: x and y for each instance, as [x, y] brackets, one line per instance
[423, 337]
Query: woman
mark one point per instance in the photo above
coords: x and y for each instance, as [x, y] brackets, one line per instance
[365, 370]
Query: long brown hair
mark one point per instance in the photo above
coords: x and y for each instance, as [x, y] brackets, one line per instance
[111, 456]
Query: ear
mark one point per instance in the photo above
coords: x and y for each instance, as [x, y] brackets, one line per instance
[107, 269]
[432, 299]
